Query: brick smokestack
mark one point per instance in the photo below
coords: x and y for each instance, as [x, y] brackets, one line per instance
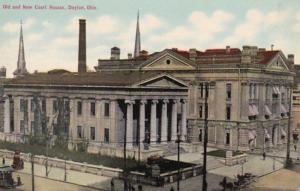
[82, 47]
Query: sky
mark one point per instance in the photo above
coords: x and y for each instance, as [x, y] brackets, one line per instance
[51, 36]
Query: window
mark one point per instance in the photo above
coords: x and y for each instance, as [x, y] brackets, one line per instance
[93, 108]
[201, 90]
[55, 106]
[79, 131]
[106, 135]
[106, 109]
[206, 111]
[22, 128]
[227, 138]
[201, 111]
[228, 91]
[31, 105]
[200, 135]
[79, 108]
[22, 105]
[267, 91]
[254, 91]
[228, 112]
[44, 105]
[93, 133]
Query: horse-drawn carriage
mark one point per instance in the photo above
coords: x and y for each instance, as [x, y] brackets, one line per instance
[18, 162]
[6, 179]
[243, 181]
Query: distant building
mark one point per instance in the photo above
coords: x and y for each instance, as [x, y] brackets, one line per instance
[154, 98]
[296, 105]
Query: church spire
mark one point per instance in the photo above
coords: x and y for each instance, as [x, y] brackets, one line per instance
[137, 45]
[21, 67]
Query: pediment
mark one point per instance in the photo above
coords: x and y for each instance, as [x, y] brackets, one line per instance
[168, 60]
[278, 63]
[163, 81]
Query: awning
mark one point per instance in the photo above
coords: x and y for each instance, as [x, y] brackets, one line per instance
[267, 110]
[282, 109]
[267, 135]
[283, 133]
[250, 110]
[255, 109]
[252, 134]
[276, 90]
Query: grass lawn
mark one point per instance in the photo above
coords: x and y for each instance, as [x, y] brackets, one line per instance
[76, 156]
[222, 153]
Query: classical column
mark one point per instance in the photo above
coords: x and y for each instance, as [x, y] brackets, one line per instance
[183, 121]
[164, 121]
[142, 121]
[6, 115]
[174, 119]
[153, 133]
[129, 123]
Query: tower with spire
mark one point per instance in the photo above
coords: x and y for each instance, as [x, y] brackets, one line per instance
[21, 66]
[137, 45]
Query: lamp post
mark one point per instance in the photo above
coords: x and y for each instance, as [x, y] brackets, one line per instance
[204, 182]
[288, 162]
[178, 158]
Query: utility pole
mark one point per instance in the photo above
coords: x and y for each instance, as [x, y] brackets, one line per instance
[65, 179]
[289, 161]
[178, 159]
[125, 160]
[32, 171]
[204, 183]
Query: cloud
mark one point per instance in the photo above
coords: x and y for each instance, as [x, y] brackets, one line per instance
[12, 27]
[199, 29]
[254, 24]
[104, 24]
[296, 26]
[150, 23]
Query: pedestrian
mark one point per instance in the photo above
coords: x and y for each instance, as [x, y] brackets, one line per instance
[112, 185]
[172, 189]
[140, 188]
[3, 160]
[264, 156]
[295, 147]
[224, 182]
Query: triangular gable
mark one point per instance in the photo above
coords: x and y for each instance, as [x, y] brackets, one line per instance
[279, 62]
[168, 60]
[163, 80]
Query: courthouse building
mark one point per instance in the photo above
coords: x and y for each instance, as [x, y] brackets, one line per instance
[154, 98]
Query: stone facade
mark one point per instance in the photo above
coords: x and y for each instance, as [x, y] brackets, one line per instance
[249, 92]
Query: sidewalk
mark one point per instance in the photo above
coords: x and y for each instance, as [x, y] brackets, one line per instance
[80, 178]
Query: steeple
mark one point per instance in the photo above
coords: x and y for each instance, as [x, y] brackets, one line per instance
[137, 45]
[21, 67]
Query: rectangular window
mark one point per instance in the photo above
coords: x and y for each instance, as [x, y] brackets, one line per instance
[79, 108]
[106, 109]
[267, 92]
[228, 112]
[44, 105]
[201, 90]
[201, 112]
[228, 91]
[22, 128]
[206, 111]
[22, 105]
[93, 108]
[79, 132]
[55, 106]
[31, 105]
[255, 92]
[227, 138]
[200, 135]
[93, 133]
[106, 135]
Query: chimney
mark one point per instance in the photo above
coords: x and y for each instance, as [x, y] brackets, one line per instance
[291, 58]
[143, 53]
[82, 47]
[115, 53]
[129, 56]
[193, 54]
[227, 49]
[2, 72]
